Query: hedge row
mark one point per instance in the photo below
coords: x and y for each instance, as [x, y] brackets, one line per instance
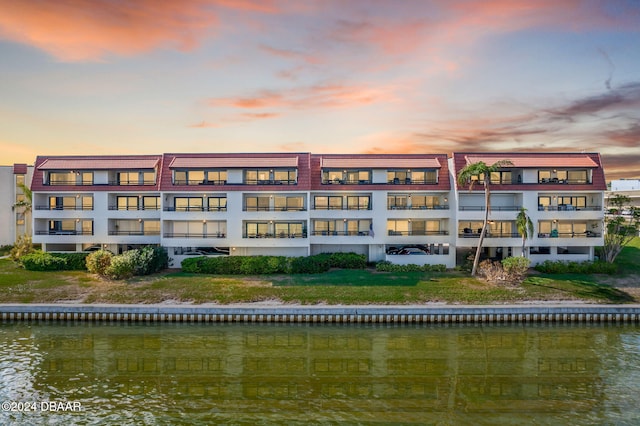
[560, 267]
[42, 261]
[386, 266]
[262, 265]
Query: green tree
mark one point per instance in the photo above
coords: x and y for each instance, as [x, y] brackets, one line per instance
[28, 197]
[620, 229]
[525, 227]
[481, 172]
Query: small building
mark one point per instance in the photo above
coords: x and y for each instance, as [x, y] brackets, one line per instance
[15, 210]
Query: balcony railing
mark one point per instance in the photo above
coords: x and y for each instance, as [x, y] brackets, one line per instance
[132, 182]
[194, 235]
[63, 208]
[270, 182]
[70, 183]
[587, 234]
[493, 208]
[342, 233]
[135, 233]
[409, 181]
[346, 181]
[195, 209]
[489, 235]
[276, 235]
[434, 207]
[422, 233]
[274, 209]
[64, 232]
[564, 181]
[568, 207]
[342, 208]
[133, 208]
[198, 182]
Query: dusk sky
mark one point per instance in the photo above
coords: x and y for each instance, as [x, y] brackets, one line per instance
[84, 77]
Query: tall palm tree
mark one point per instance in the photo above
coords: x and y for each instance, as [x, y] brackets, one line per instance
[525, 227]
[481, 172]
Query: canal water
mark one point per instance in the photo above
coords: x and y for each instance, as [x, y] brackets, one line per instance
[117, 373]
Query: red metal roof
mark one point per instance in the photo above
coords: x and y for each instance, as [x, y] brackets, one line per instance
[19, 169]
[535, 161]
[379, 163]
[232, 162]
[98, 163]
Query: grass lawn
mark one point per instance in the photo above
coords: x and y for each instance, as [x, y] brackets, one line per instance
[334, 287]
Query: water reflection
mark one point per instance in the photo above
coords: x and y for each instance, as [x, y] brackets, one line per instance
[302, 374]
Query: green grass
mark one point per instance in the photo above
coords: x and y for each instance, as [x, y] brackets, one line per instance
[334, 287]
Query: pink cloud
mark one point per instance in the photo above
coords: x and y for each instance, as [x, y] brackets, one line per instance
[88, 30]
[319, 96]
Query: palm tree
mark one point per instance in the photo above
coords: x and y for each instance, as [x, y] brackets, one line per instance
[28, 198]
[525, 227]
[481, 172]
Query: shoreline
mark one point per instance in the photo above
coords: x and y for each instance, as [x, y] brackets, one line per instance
[261, 312]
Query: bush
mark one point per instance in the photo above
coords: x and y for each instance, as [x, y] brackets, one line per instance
[561, 267]
[150, 259]
[40, 261]
[21, 247]
[123, 266]
[386, 266]
[316, 264]
[516, 268]
[348, 260]
[74, 261]
[99, 261]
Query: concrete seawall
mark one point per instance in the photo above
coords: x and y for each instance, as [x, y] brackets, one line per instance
[399, 314]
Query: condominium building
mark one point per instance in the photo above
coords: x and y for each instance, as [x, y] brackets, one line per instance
[561, 192]
[15, 210]
[396, 207]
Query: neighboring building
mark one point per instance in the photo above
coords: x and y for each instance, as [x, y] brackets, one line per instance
[397, 207]
[563, 195]
[15, 214]
[627, 187]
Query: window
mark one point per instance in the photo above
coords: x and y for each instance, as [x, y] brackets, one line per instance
[62, 203]
[398, 176]
[19, 219]
[87, 227]
[351, 227]
[151, 227]
[544, 202]
[501, 177]
[87, 178]
[151, 203]
[62, 227]
[270, 177]
[62, 178]
[358, 202]
[255, 203]
[288, 229]
[577, 176]
[19, 180]
[256, 229]
[127, 203]
[571, 203]
[351, 177]
[424, 176]
[397, 202]
[217, 203]
[413, 227]
[199, 177]
[327, 202]
[563, 176]
[419, 202]
[128, 178]
[87, 202]
[186, 204]
[295, 203]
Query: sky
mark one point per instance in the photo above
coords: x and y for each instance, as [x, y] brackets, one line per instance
[93, 77]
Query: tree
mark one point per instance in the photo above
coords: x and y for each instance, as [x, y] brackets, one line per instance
[481, 172]
[525, 227]
[619, 228]
[28, 197]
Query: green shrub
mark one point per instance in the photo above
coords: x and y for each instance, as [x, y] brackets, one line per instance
[311, 264]
[561, 267]
[386, 266]
[516, 267]
[151, 259]
[74, 261]
[21, 247]
[123, 266]
[347, 260]
[99, 261]
[40, 261]
[193, 264]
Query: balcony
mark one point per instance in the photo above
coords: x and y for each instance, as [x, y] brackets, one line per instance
[61, 208]
[195, 209]
[420, 233]
[134, 233]
[569, 207]
[342, 233]
[194, 235]
[134, 208]
[555, 234]
[273, 209]
[133, 182]
[493, 208]
[433, 207]
[178, 182]
[468, 233]
[410, 181]
[63, 232]
[278, 235]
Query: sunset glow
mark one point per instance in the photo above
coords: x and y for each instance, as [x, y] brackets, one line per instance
[412, 76]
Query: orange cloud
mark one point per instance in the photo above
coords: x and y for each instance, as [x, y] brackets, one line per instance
[328, 96]
[89, 30]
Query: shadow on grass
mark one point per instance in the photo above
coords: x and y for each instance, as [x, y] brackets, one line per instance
[581, 286]
[351, 278]
[628, 260]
